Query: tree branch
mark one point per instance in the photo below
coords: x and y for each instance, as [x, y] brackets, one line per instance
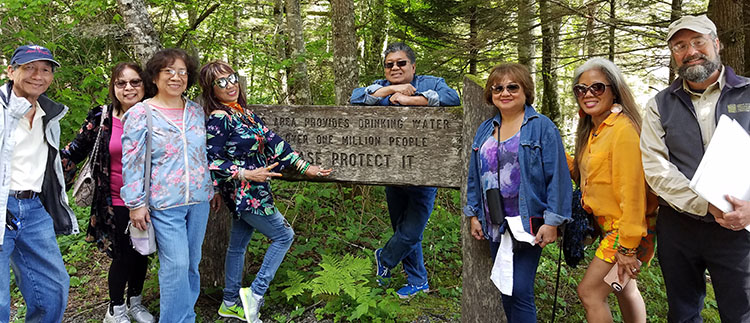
[196, 23]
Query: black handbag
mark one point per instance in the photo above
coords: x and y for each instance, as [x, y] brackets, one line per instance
[577, 231]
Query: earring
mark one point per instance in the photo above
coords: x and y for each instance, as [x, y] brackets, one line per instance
[616, 108]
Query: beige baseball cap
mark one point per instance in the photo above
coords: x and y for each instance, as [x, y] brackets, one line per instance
[700, 24]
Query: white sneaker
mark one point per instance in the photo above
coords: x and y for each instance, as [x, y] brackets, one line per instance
[251, 303]
[117, 314]
[138, 312]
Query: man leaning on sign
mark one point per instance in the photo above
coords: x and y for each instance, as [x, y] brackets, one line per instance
[409, 207]
[693, 235]
[32, 189]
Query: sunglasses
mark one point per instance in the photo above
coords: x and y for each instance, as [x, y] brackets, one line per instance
[499, 88]
[133, 83]
[224, 81]
[389, 65]
[173, 72]
[596, 89]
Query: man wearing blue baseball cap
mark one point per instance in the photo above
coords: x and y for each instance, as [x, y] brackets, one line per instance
[692, 234]
[32, 189]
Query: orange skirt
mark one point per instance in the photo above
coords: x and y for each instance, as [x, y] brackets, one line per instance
[610, 240]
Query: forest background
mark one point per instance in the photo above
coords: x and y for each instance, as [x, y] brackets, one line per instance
[315, 52]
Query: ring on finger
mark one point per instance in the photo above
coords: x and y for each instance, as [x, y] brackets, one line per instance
[268, 179]
[634, 269]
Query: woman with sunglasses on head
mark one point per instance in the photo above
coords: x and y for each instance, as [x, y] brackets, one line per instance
[244, 156]
[109, 216]
[607, 165]
[518, 186]
[180, 184]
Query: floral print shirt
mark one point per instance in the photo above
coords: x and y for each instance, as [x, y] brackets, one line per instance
[179, 168]
[505, 153]
[240, 140]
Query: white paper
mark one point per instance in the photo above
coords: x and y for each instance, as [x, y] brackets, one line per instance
[502, 269]
[725, 167]
[516, 226]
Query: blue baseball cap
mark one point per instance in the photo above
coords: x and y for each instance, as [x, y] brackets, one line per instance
[31, 53]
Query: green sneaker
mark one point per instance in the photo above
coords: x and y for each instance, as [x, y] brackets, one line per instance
[234, 311]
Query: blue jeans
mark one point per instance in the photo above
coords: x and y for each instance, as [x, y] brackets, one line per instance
[409, 209]
[520, 307]
[179, 237]
[276, 228]
[34, 255]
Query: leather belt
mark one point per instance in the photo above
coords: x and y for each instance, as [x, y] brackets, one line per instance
[22, 195]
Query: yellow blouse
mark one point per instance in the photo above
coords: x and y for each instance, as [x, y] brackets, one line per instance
[612, 179]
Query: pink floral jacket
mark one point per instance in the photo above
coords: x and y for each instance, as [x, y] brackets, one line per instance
[179, 167]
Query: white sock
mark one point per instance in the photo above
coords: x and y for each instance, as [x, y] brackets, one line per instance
[257, 297]
[229, 304]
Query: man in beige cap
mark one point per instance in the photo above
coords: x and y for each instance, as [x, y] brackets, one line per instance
[692, 234]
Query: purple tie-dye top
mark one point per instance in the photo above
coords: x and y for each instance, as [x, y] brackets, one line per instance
[510, 176]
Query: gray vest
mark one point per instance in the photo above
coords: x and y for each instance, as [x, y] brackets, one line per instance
[682, 135]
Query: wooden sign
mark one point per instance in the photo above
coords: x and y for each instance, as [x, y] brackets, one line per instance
[375, 144]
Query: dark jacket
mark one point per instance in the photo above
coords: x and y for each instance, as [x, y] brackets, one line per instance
[101, 223]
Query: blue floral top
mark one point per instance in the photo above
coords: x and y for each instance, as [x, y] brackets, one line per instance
[236, 140]
[510, 177]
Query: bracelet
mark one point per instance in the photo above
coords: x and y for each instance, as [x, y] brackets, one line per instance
[628, 252]
[299, 163]
[240, 174]
[304, 169]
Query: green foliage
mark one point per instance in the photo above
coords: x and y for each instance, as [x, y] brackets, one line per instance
[343, 284]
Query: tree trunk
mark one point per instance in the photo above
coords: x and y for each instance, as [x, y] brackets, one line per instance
[473, 41]
[344, 50]
[746, 11]
[299, 84]
[551, 23]
[480, 300]
[525, 34]
[280, 45]
[138, 25]
[676, 14]
[727, 15]
[374, 39]
[590, 39]
[613, 21]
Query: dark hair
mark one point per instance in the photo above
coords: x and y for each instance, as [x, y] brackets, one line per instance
[208, 75]
[514, 71]
[164, 58]
[400, 47]
[116, 73]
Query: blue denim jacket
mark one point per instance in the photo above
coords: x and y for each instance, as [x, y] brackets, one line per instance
[433, 88]
[546, 189]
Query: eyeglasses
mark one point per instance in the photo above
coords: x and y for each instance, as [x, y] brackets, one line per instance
[173, 72]
[596, 89]
[134, 83]
[499, 88]
[389, 65]
[30, 68]
[697, 43]
[224, 81]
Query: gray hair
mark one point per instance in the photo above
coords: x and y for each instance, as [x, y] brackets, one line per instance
[400, 47]
[622, 96]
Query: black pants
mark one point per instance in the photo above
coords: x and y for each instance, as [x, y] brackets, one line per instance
[128, 266]
[686, 248]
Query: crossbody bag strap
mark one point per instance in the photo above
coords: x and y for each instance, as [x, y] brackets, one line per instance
[147, 172]
[95, 151]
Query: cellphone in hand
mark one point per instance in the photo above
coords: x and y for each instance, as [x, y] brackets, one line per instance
[612, 280]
